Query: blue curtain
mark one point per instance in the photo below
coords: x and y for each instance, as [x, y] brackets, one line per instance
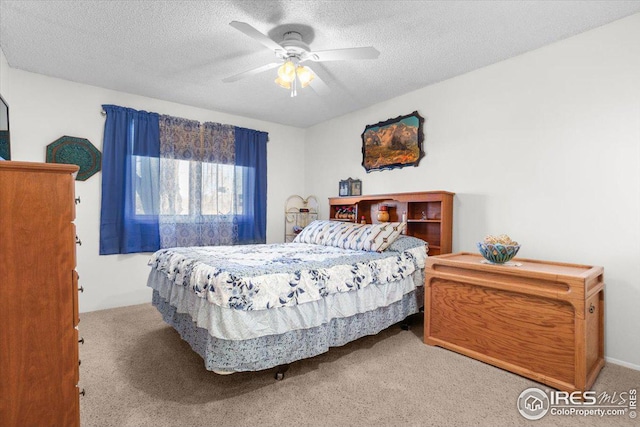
[251, 157]
[129, 135]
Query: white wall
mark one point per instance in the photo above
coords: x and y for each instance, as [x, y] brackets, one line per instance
[4, 76]
[544, 147]
[43, 109]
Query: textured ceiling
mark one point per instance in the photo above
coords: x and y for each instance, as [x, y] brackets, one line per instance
[181, 50]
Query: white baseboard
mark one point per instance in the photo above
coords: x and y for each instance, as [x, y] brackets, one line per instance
[622, 363]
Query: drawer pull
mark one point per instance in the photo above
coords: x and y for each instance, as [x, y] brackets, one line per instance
[77, 200]
[591, 308]
[81, 289]
[81, 340]
[82, 393]
[78, 241]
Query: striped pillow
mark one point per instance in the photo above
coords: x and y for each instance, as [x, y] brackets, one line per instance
[382, 235]
[313, 233]
[348, 235]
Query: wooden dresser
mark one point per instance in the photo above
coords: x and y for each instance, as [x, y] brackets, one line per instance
[38, 296]
[541, 320]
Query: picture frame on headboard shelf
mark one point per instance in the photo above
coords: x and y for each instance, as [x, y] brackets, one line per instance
[344, 188]
[356, 187]
[350, 187]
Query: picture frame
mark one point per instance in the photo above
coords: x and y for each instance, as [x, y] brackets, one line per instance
[350, 187]
[344, 188]
[393, 143]
[356, 187]
[5, 140]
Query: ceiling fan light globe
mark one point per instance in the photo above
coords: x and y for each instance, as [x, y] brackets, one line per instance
[283, 83]
[287, 71]
[304, 75]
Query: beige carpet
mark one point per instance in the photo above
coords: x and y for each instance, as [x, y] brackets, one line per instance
[136, 371]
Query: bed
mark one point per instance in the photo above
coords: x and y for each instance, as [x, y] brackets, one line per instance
[255, 307]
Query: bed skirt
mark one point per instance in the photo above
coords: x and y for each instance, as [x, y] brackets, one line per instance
[266, 352]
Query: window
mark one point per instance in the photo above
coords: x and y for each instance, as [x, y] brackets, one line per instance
[169, 182]
[198, 189]
[145, 185]
[221, 189]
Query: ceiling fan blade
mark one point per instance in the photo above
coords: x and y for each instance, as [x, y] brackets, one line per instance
[250, 72]
[256, 35]
[317, 84]
[345, 54]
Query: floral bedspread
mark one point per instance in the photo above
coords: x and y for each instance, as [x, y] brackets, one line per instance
[259, 277]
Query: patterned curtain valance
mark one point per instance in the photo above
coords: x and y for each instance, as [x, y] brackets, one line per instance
[180, 139]
[184, 139]
[219, 143]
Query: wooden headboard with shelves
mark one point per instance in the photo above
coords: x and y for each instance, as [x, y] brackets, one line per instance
[429, 214]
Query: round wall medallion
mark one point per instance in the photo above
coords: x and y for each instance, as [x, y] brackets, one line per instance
[76, 151]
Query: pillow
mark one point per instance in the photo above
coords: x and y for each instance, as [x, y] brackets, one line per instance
[349, 235]
[403, 242]
[382, 235]
[313, 233]
[331, 233]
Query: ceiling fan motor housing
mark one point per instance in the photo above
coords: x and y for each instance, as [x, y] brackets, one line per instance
[294, 47]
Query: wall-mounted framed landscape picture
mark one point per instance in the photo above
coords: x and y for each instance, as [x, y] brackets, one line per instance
[394, 143]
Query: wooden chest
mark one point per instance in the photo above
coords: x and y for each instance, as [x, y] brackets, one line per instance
[541, 320]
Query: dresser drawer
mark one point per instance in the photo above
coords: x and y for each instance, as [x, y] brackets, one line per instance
[75, 290]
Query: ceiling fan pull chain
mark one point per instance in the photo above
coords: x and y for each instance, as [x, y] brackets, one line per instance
[293, 86]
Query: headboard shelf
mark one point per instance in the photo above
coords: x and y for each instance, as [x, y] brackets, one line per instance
[429, 214]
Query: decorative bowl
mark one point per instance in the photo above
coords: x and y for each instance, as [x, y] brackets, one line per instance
[497, 253]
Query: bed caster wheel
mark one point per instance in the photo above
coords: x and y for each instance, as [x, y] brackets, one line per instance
[404, 326]
[280, 373]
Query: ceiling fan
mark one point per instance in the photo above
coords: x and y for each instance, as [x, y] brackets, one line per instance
[291, 52]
